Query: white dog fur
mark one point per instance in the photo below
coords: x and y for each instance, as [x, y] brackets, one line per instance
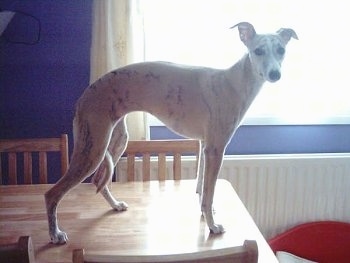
[197, 102]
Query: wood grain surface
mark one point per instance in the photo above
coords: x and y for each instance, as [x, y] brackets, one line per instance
[163, 218]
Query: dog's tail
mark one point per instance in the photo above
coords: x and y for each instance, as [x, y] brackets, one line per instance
[103, 173]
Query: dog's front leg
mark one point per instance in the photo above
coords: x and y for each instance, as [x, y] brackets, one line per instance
[101, 177]
[212, 165]
[200, 172]
[104, 173]
[115, 204]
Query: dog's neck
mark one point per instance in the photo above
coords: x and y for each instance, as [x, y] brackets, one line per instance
[250, 82]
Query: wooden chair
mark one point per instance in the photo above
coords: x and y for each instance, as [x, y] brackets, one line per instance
[20, 252]
[248, 253]
[321, 241]
[14, 147]
[162, 149]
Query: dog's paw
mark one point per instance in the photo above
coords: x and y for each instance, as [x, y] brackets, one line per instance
[59, 238]
[217, 229]
[120, 206]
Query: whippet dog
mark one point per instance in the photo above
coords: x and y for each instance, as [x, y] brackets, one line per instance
[197, 102]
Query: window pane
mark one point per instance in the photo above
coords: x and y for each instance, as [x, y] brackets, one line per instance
[313, 84]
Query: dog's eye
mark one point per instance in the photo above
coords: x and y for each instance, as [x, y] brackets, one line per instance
[259, 51]
[281, 50]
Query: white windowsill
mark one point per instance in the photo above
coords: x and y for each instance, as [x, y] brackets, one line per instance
[336, 120]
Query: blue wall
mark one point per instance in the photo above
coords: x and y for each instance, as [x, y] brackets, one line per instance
[39, 84]
[277, 139]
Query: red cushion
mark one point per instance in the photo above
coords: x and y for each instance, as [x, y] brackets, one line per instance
[324, 241]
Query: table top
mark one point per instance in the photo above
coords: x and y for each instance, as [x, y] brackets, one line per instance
[162, 218]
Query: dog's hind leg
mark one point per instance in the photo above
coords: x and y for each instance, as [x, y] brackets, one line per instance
[91, 143]
[105, 171]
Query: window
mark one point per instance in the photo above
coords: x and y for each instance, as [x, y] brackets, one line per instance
[313, 88]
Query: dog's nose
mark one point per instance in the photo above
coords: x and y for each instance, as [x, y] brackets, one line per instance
[274, 75]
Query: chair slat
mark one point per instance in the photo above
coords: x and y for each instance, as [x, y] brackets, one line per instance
[64, 154]
[1, 181]
[12, 168]
[161, 166]
[146, 166]
[131, 167]
[177, 166]
[27, 166]
[43, 167]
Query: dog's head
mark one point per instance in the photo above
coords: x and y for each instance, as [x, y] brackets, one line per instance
[266, 51]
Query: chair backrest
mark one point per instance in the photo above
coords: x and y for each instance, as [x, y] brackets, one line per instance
[20, 252]
[14, 147]
[248, 253]
[321, 241]
[162, 149]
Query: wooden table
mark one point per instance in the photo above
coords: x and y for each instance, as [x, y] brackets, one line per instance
[163, 217]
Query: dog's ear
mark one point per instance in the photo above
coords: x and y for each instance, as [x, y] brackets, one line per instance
[246, 32]
[287, 34]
